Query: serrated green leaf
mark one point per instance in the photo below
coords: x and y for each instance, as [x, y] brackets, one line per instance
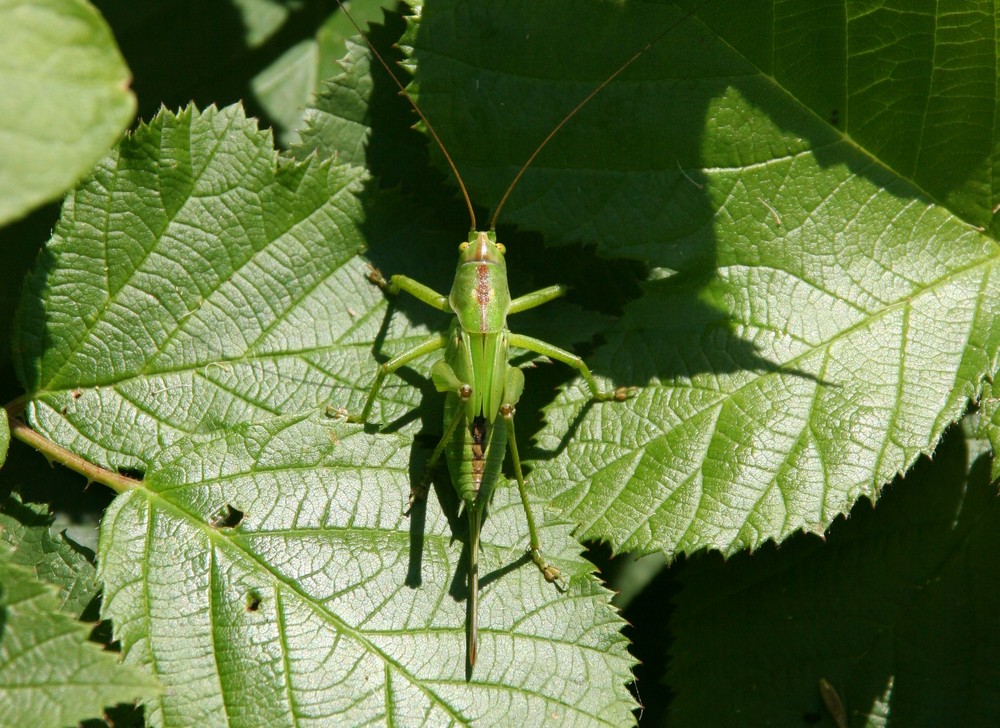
[227, 289]
[50, 675]
[821, 302]
[323, 604]
[193, 283]
[337, 122]
[64, 98]
[896, 609]
[53, 558]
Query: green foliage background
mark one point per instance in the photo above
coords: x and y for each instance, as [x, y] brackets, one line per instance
[779, 226]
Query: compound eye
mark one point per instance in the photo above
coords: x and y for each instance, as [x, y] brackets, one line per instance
[462, 246]
[501, 247]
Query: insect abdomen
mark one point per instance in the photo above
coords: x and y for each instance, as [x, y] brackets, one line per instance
[475, 456]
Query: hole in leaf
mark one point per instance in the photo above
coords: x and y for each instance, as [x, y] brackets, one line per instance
[227, 517]
[254, 600]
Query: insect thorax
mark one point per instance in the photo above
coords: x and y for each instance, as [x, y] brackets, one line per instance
[480, 296]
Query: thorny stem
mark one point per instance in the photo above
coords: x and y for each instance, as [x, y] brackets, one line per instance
[57, 453]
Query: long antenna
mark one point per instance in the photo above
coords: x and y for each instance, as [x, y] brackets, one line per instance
[586, 100]
[427, 123]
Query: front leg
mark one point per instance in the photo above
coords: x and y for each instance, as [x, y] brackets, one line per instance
[422, 293]
[415, 288]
